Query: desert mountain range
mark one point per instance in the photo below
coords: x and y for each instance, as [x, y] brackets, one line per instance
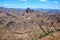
[29, 24]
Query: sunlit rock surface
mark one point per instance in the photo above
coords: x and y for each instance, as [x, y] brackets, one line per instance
[29, 25]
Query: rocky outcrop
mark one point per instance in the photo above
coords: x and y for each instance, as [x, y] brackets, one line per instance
[28, 10]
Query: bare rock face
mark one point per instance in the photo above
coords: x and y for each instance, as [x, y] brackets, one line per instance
[24, 29]
[31, 29]
[28, 10]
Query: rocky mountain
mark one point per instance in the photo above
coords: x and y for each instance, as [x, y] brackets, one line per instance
[29, 25]
[49, 11]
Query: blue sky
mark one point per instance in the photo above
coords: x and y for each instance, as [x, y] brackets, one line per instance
[45, 4]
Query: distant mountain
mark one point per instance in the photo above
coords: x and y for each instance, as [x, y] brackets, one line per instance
[49, 11]
[54, 11]
[2, 9]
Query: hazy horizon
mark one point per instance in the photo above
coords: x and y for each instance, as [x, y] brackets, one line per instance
[45, 4]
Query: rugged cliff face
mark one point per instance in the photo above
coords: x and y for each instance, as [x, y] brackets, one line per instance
[29, 26]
